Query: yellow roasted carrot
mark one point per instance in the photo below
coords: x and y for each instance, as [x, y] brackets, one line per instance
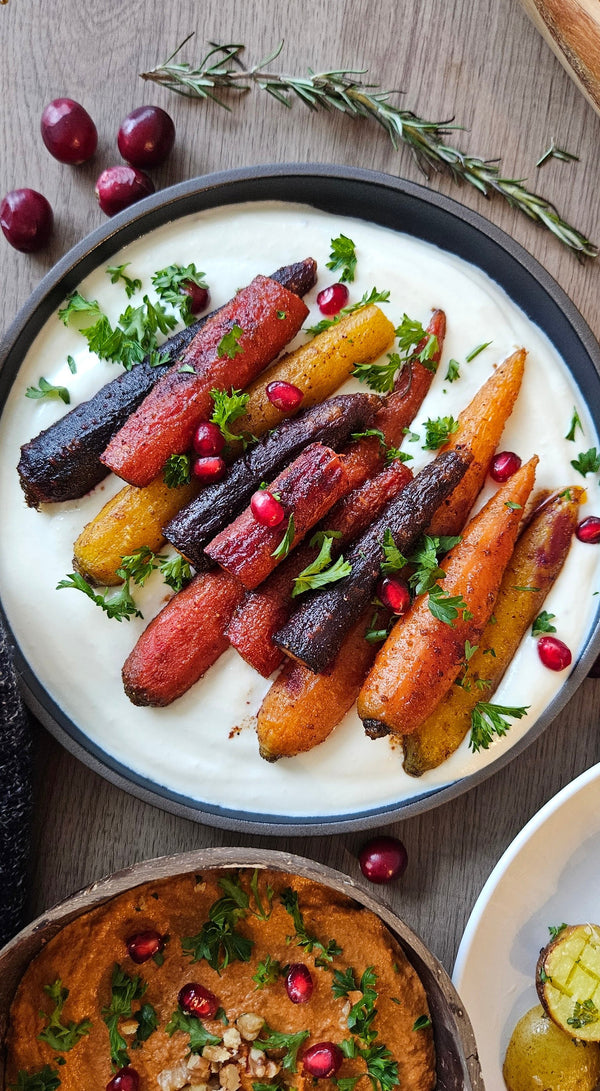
[537, 560]
[480, 427]
[423, 654]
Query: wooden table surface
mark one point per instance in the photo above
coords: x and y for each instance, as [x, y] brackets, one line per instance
[479, 61]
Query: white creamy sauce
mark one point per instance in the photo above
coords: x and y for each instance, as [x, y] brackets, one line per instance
[77, 652]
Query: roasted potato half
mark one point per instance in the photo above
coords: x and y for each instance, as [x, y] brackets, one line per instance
[567, 979]
[539, 1055]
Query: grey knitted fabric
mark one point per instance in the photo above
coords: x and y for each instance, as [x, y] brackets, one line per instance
[15, 796]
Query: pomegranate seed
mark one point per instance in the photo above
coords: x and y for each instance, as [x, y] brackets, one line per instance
[284, 396]
[195, 1000]
[26, 219]
[383, 859]
[68, 131]
[322, 1060]
[144, 946]
[332, 299]
[299, 983]
[208, 439]
[198, 296]
[119, 187]
[393, 593]
[126, 1079]
[504, 465]
[588, 530]
[553, 653]
[146, 136]
[209, 469]
[266, 509]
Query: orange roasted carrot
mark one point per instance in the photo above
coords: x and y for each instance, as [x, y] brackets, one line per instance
[183, 640]
[268, 607]
[423, 654]
[256, 324]
[480, 427]
[306, 490]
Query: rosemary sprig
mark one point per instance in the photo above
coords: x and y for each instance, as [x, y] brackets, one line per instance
[344, 90]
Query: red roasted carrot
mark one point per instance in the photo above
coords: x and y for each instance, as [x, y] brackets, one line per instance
[306, 490]
[183, 640]
[257, 323]
[266, 609]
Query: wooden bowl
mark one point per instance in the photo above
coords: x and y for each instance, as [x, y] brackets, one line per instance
[572, 30]
[458, 1066]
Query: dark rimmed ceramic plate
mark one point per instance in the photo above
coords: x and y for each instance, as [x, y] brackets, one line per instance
[382, 200]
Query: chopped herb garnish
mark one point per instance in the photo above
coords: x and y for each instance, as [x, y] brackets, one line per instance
[117, 273]
[475, 352]
[189, 1024]
[44, 1080]
[289, 1042]
[286, 542]
[371, 432]
[177, 471]
[488, 720]
[133, 338]
[422, 1022]
[393, 560]
[382, 377]
[395, 452]
[139, 565]
[446, 607]
[543, 977]
[186, 369]
[124, 991]
[58, 1034]
[48, 390]
[438, 431]
[78, 304]
[543, 624]
[222, 1017]
[321, 571]
[470, 650]
[583, 1014]
[343, 982]
[575, 423]
[261, 912]
[267, 972]
[281, 315]
[343, 256]
[227, 409]
[169, 283]
[229, 345]
[587, 462]
[366, 301]
[453, 372]
[517, 588]
[147, 1021]
[512, 506]
[556, 929]
[425, 561]
[218, 941]
[326, 952]
[176, 572]
[72, 365]
[119, 604]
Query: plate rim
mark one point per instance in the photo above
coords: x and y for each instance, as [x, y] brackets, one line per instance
[112, 236]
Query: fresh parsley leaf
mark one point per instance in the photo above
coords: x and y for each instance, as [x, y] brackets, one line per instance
[475, 352]
[289, 1042]
[556, 929]
[321, 571]
[44, 1080]
[380, 377]
[281, 315]
[587, 462]
[78, 304]
[147, 1021]
[343, 256]
[453, 372]
[117, 273]
[229, 345]
[363, 1012]
[371, 432]
[575, 423]
[583, 1014]
[543, 624]
[189, 1024]
[376, 636]
[326, 952]
[218, 941]
[393, 560]
[409, 333]
[267, 972]
[395, 452]
[170, 284]
[125, 990]
[488, 720]
[470, 650]
[510, 504]
[261, 912]
[177, 471]
[286, 542]
[343, 982]
[227, 409]
[425, 561]
[48, 390]
[382, 1069]
[176, 572]
[72, 365]
[446, 607]
[186, 369]
[119, 605]
[438, 431]
[60, 1035]
[366, 301]
[139, 565]
[422, 1022]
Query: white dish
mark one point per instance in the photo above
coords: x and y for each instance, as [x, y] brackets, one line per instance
[550, 874]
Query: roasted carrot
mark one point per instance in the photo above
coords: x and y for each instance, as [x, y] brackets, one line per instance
[480, 427]
[268, 607]
[538, 557]
[423, 654]
[306, 490]
[183, 640]
[315, 632]
[232, 348]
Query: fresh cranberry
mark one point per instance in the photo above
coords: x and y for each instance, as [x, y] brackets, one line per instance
[208, 439]
[126, 1079]
[383, 859]
[209, 469]
[588, 530]
[553, 653]
[26, 219]
[299, 983]
[146, 136]
[198, 296]
[284, 396]
[504, 465]
[322, 1060]
[266, 509]
[119, 187]
[332, 299]
[144, 946]
[393, 593]
[68, 131]
[195, 1000]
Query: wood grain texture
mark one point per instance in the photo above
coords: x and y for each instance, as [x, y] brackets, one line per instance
[486, 65]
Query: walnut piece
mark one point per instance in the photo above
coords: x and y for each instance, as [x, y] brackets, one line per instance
[249, 1026]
